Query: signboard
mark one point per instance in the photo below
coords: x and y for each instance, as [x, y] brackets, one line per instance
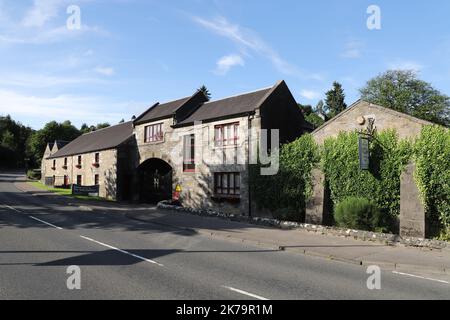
[84, 190]
[364, 154]
[176, 194]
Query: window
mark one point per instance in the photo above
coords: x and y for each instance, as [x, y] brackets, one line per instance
[227, 184]
[54, 165]
[79, 180]
[66, 181]
[153, 133]
[97, 158]
[226, 135]
[79, 161]
[96, 180]
[65, 162]
[189, 153]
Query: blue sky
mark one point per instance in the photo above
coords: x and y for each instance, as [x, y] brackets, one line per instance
[129, 54]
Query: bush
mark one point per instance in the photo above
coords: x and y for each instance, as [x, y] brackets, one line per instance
[34, 174]
[432, 157]
[285, 193]
[358, 213]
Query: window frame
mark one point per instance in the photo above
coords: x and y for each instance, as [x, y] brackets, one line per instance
[96, 179]
[80, 177]
[97, 158]
[189, 164]
[225, 187]
[152, 136]
[222, 139]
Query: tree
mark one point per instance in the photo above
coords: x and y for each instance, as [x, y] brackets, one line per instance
[102, 125]
[205, 91]
[311, 115]
[401, 90]
[52, 131]
[335, 100]
[13, 142]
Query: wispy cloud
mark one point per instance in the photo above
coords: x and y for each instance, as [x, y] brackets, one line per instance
[248, 40]
[39, 81]
[353, 50]
[310, 94]
[105, 71]
[227, 62]
[406, 65]
[41, 12]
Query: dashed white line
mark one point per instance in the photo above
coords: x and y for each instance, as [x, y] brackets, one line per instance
[14, 209]
[245, 293]
[47, 223]
[419, 277]
[123, 251]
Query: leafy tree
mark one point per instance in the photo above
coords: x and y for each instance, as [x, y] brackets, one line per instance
[205, 91]
[52, 131]
[335, 100]
[401, 90]
[13, 141]
[311, 115]
[320, 110]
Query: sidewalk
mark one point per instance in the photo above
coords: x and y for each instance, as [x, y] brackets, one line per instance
[402, 259]
[423, 262]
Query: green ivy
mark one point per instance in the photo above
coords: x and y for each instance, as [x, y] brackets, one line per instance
[381, 184]
[285, 193]
[432, 157]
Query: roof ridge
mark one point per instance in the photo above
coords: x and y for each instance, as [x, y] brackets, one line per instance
[238, 95]
[97, 130]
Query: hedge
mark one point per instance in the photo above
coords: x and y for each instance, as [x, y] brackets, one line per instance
[285, 194]
[432, 158]
[381, 183]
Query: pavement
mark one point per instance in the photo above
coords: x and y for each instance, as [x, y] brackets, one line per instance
[140, 252]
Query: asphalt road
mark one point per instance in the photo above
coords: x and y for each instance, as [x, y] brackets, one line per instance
[120, 258]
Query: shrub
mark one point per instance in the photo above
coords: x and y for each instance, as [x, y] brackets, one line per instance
[432, 157]
[357, 213]
[34, 174]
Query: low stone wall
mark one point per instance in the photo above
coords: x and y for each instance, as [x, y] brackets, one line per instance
[388, 239]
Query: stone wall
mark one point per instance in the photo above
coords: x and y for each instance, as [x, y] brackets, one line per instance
[197, 187]
[356, 118]
[107, 171]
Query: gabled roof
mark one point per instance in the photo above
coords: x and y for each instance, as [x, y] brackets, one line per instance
[235, 105]
[384, 109]
[103, 139]
[159, 111]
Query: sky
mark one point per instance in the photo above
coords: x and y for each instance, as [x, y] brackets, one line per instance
[125, 55]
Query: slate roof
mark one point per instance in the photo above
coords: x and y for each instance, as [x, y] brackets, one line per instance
[235, 105]
[159, 111]
[103, 139]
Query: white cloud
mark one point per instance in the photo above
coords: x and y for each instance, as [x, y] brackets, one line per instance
[406, 65]
[310, 94]
[106, 71]
[39, 81]
[41, 12]
[246, 39]
[227, 62]
[353, 50]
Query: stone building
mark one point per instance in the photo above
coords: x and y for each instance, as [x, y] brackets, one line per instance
[190, 148]
[358, 115]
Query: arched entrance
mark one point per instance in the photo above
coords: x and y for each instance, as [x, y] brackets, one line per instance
[155, 181]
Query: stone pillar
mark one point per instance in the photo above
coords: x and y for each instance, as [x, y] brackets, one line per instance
[316, 206]
[412, 212]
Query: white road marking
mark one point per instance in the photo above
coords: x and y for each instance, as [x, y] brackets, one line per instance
[245, 293]
[14, 209]
[419, 277]
[44, 222]
[123, 251]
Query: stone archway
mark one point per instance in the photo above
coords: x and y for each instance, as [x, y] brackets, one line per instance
[154, 181]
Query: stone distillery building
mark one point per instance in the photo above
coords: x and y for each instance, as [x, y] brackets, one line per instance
[198, 148]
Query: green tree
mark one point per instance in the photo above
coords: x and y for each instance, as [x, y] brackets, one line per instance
[205, 91]
[335, 100]
[401, 90]
[52, 131]
[13, 142]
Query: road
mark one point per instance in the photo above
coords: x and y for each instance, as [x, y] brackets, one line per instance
[120, 258]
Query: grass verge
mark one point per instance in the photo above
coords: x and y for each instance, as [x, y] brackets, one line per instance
[64, 192]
